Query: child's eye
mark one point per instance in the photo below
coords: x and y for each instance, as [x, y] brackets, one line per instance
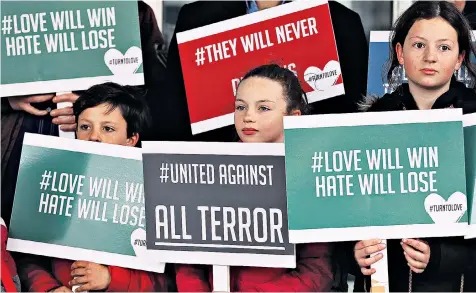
[445, 48]
[84, 127]
[263, 108]
[419, 45]
[239, 108]
[108, 129]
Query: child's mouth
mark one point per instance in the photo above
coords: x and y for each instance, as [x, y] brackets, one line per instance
[249, 131]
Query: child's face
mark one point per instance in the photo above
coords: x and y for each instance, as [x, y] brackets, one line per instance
[259, 110]
[430, 53]
[96, 124]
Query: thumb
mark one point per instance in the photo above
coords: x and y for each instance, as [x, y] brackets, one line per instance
[34, 111]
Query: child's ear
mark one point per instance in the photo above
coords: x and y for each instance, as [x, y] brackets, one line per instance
[399, 52]
[296, 112]
[460, 60]
[132, 141]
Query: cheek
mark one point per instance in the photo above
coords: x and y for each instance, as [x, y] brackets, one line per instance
[80, 135]
[238, 118]
[116, 140]
[274, 123]
[411, 64]
[450, 65]
[448, 71]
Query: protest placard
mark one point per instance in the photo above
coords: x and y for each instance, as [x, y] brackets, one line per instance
[217, 203]
[469, 123]
[81, 200]
[379, 49]
[380, 175]
[61, 46]
[297, 35]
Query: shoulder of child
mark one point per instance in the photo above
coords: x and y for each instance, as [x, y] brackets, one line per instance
[374, 103]
[467, 98]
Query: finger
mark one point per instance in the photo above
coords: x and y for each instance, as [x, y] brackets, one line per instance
[414, 254]
[79, 264]
[62, 112]
[418, 271]
[414, 263]
[32, 110]
[68, 127]
[364, 243]
[39, 98]
[78, 272]
[66, 98]
[369, 250]
[418, 245]
[79, 281]
[367, 272]
[84, 287]
[64, 120]
[366, 262]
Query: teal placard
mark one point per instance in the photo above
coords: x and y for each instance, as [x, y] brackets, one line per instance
[470, 151]
[80, 200]
[380, 175]
[57, 46]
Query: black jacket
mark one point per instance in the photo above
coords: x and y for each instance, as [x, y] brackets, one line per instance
[450, 256]
[458, 96]
[351, 45]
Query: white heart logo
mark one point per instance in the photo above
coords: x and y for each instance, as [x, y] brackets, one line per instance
[444, 211]
[321, 80]
[138, 242]
[123, 64]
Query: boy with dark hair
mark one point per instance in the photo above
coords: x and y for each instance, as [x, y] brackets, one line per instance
[118, 113]
[107, 113]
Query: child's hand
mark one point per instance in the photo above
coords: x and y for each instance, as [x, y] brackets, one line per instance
[417, 253]
[62, 289]
[91, 276]
[365, 248]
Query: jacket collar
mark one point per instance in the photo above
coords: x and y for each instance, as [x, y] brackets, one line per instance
[447, 100]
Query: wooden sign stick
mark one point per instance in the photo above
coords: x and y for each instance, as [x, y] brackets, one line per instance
[379, 280]
[221, 278]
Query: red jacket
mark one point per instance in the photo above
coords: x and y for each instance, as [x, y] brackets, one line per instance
[38, 278]
[8, 268]
[312, 273]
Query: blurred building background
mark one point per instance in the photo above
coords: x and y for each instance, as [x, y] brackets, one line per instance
[375, 15]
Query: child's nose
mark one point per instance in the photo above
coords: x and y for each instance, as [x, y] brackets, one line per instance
[430, 55]
[95, 136]
[249, 116]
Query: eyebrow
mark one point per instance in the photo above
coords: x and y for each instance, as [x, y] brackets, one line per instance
[102, 122]
[260, 101]
[440, 40]
[84, 120]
